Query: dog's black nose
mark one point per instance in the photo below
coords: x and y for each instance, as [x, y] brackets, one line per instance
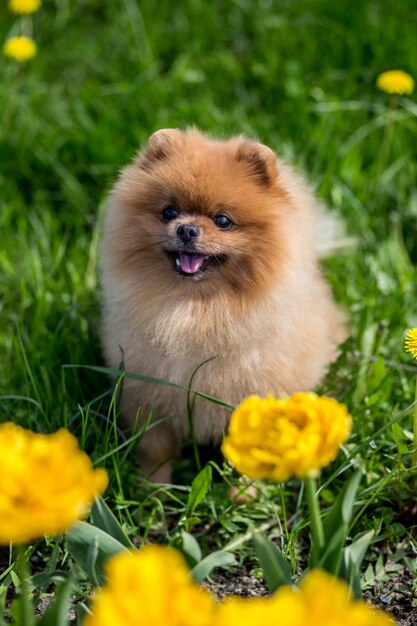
[187, 232]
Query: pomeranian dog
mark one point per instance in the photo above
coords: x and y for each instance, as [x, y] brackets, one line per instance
[210, 252]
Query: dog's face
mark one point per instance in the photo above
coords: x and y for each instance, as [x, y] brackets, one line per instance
[196, 217]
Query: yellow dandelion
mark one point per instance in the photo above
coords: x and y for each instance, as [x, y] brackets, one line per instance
[321, 600]
[411, 342]
[277, 438]
[395, 81]
[46, 483]
[20, 48]
[24, 6]
[152, 587]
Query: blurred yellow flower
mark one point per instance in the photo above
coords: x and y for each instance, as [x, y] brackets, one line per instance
[152, 587]
[46, 483]
[24, 6]
[395, 81]
[411, 342]
[20, 48]
[321, 600]
[277, 438]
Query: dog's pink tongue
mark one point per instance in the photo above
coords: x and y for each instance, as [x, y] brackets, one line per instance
[191, 263]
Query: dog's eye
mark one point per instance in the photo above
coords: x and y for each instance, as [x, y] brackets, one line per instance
[170, 213]
[223, 222]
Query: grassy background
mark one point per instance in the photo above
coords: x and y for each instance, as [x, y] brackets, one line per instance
[298, 75]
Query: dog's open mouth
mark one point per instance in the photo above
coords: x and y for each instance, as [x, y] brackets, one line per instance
[194, 265]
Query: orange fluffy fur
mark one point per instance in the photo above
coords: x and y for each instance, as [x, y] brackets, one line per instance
[261, 307]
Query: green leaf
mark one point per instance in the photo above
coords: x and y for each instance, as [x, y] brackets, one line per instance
[22, 609]
[206, 565]
[149, 379]
[376, 373]
[90, 547]
[91, 562]
[341, 511]
[199, 489]
[367, 342]
[21, 614]
[353, 556]
[357, 549]
[57, 614]
[331, 557]
[5, 577]
[400, 439]
[411, 564]
[190, 548]
[336, 524]
[190, 522]
[45, 579]
[104, 518]
[353, 579]
[277, 570]
[348, 501]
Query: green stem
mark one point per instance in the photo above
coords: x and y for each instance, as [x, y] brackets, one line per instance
[317, 531]
[25, 599]
[284, 513]
[414, 455]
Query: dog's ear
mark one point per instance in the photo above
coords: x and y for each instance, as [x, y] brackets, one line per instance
[159, 146]
[259, 160]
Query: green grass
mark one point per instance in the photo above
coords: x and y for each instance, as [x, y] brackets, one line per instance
[301, 77]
